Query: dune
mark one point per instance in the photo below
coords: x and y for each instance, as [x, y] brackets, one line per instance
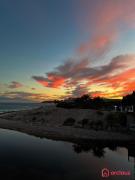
[49, 122]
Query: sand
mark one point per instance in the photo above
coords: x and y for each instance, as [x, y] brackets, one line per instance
[48, 122]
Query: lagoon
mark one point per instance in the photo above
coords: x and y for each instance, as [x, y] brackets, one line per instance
[24, 156]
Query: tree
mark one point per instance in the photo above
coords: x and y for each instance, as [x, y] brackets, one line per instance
[129, 99]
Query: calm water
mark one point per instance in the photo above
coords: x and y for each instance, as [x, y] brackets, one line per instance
[4, 107]
[23, 156]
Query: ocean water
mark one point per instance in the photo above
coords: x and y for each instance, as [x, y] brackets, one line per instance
[5, 107]
[24, 156]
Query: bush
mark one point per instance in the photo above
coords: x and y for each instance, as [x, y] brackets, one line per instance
[111, 119]
[91, 124]
[100, 113]
[99, 124]
[122, 119]
[84, 122]
[34, 118]
[69, 122]
[114, 119]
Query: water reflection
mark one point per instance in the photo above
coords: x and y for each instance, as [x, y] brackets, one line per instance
[95, 149]
[23, 156]
[98, 148]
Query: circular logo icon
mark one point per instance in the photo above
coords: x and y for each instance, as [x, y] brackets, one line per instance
[105, 173]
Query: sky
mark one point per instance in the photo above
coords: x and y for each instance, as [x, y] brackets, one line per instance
[66, 48]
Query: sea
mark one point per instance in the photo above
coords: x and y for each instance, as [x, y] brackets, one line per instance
[6, 107]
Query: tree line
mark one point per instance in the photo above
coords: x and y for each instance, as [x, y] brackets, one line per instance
[86, 101]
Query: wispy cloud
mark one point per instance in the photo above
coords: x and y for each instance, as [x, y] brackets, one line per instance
[23, 96]
[97, 46]
[14, 85]
[105, 23]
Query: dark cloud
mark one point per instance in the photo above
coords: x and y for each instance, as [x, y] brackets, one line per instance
[33, 88]
[79, 91]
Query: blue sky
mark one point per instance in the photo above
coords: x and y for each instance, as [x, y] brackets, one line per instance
[36, 32]
[38, 35]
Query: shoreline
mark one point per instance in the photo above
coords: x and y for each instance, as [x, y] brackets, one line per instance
[76, 135]
[49, 122]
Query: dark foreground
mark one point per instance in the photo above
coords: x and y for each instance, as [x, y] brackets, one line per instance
[23, 156]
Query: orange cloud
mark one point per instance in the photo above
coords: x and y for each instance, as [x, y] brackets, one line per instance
[129, 86]
[80, 76]
[125, 81]
[57, 82]
[117, 79]
[53, 81]
[44, 83]
[125, 76]
[105, 23]
[97, 45]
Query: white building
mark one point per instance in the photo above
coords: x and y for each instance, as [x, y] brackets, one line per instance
[124, 108]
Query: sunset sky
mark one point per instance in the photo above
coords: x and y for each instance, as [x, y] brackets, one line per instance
[53, 49]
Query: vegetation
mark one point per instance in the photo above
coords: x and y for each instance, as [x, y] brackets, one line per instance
[84, 122]
[97, 150]
[99, 124]
[116, 119]
[86, 101]
[129, 99]
[113, 120]
[69, 122]
[100, 113]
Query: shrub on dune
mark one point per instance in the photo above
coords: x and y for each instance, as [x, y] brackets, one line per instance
[69, 122]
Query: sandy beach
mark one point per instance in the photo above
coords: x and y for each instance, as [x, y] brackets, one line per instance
[48, 122]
